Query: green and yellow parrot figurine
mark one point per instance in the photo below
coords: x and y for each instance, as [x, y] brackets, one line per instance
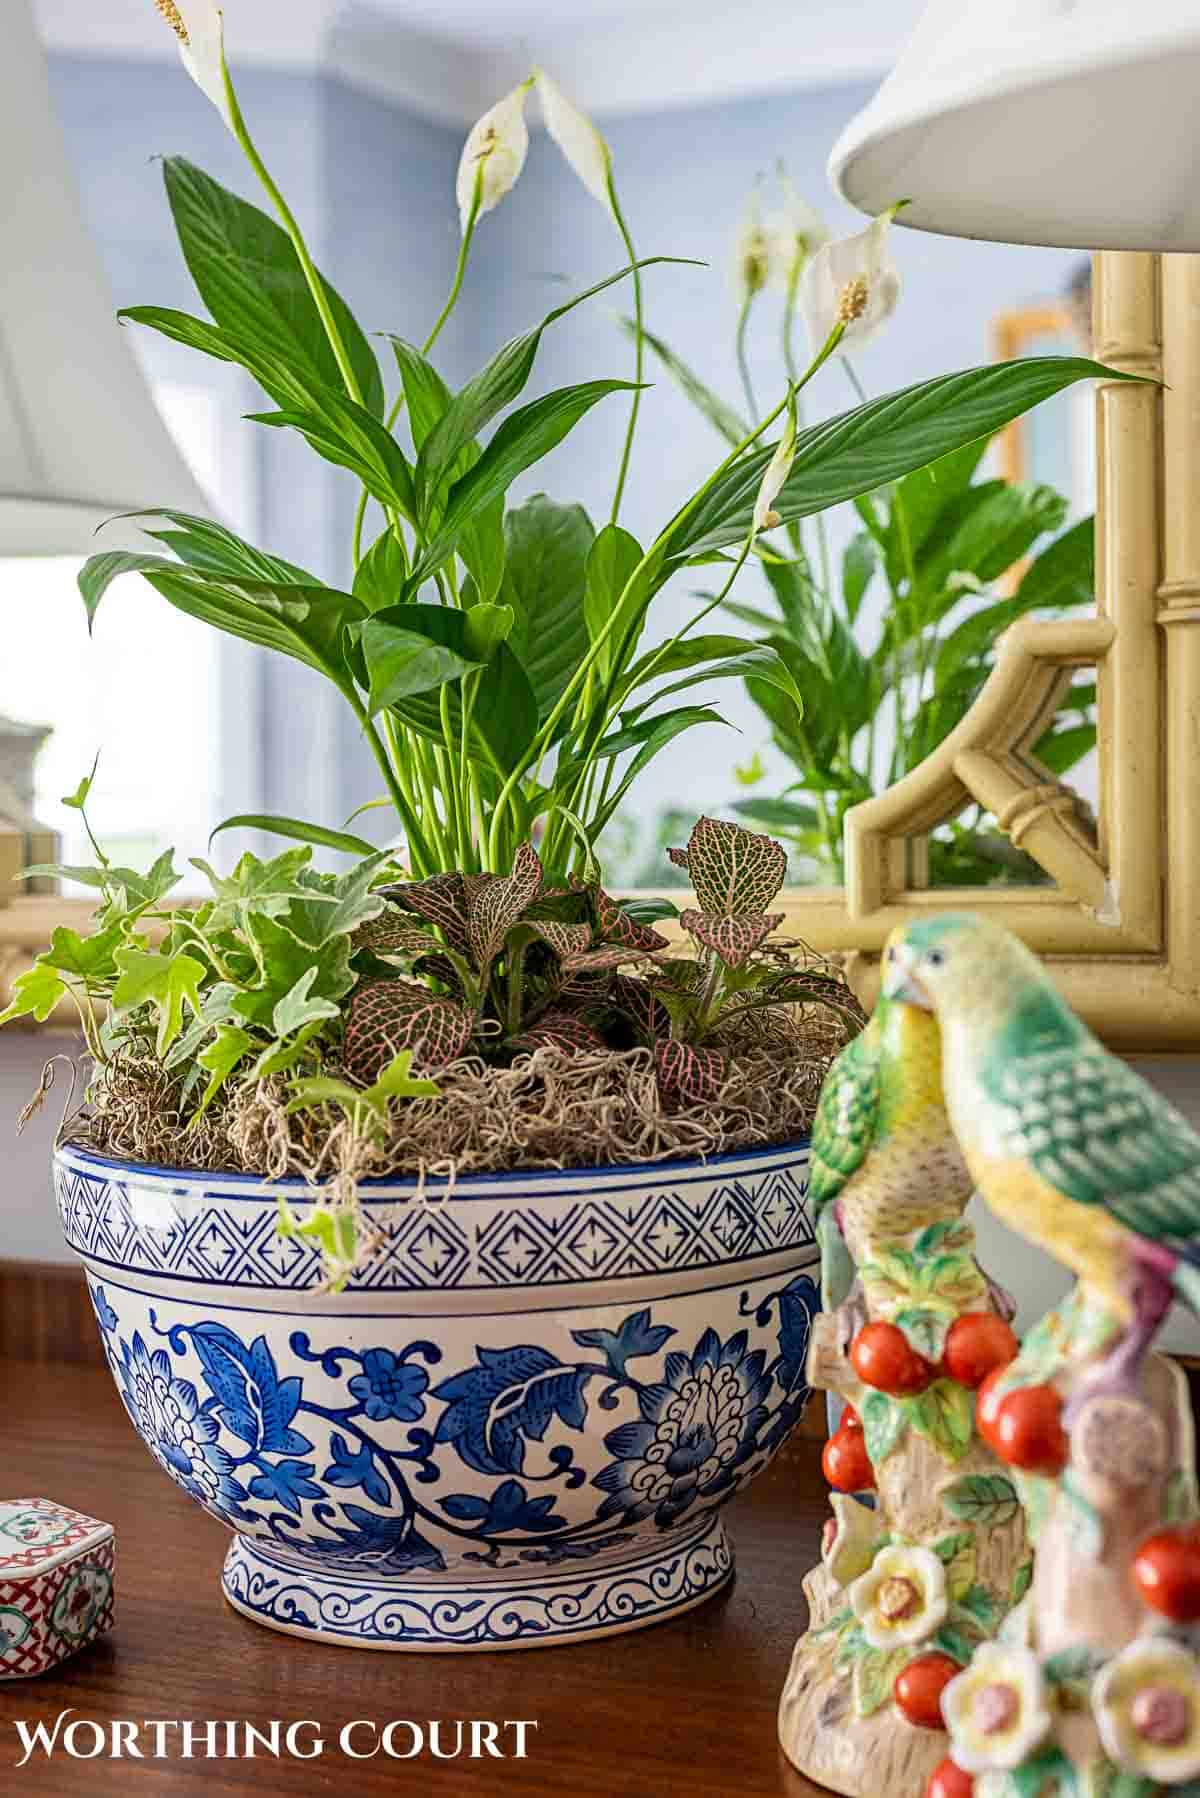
[1065, 1142]
[884, 1161]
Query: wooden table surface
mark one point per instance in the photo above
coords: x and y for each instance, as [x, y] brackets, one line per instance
[686, 1707]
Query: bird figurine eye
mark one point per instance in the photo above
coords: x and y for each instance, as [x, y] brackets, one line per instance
[891, 954]
[936, 957]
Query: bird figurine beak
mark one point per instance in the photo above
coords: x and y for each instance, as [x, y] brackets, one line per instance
[899, 980]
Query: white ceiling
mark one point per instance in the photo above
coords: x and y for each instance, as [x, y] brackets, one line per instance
[449, 58]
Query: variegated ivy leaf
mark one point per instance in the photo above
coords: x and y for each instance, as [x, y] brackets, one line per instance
[687, 1075]
[495, 902]
[442, 899]
[387, 1017]
[166, 982]
[734, 871]
[558, 1029]
[732, 939]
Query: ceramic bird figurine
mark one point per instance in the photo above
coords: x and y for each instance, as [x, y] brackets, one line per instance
[885, 1162]
[1065, 1142]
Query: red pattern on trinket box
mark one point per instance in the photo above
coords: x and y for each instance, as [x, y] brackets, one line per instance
[56, 1584]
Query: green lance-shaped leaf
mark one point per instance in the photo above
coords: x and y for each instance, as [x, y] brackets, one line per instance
[166, 982]
[299, 830]
[859, 563]
[405, 659]
[612, 561]
[249, 276]
[523, 439]
[307, 623]
[863, 449]
[496, 386]
[735, 660]
[648, 737]
[380, 577]
[547, 551]
[426, 396]
[1060, 750]
[210, 548]
[723, 418]
[351, 437]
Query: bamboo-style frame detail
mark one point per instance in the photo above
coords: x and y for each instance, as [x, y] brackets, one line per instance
[1121, 926]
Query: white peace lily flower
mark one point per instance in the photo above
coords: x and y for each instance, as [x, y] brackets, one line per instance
[577, 138]
[1147, 1708]
[775, 474]
[793, 236]
[199, 26]
[997, 1710]
[848, 1539]
[496, 147]
[752, 253]
[852, 283]
[902, 1598]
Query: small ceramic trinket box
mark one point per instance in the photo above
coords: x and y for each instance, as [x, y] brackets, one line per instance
[56, 1584]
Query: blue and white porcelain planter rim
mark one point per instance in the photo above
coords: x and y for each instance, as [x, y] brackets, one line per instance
[466, 1186]
[607, 1317]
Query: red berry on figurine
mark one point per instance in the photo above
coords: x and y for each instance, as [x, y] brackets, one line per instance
[949, 1781]
[850, 1419]
[1027, 1431]
[919, 1687]
[987, 1404]
[846, 1463]
[882, 1356]
[978, 1343]
[1166, 1573]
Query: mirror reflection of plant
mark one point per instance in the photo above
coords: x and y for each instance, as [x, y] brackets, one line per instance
[880, 697]
[491, 656]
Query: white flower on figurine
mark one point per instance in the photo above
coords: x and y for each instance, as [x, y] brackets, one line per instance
[902, 1598]
[577, 138]
[848, 1539]
[776, 473]
[1146, 1702]
[793, 235]
[852, 283]
[199, 26]
[997, 1710]
[493, 156]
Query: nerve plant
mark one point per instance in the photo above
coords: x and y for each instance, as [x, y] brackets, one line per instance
[493, 658]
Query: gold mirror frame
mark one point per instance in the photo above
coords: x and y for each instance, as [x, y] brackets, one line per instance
[1121, 925]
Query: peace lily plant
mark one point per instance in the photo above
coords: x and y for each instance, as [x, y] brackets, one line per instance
[497, 660]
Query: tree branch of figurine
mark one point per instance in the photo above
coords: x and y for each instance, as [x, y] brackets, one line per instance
[1012, 1571]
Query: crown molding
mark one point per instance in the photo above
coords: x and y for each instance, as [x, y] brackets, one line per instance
[453, 70]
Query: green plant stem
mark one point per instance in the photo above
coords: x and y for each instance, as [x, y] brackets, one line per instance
[545, 736]
[315, 285]
[740, 350]
[418, 847]
[464, 252]
[639, 354]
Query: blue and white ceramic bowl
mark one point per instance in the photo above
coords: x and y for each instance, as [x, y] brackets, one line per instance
[517, 1425]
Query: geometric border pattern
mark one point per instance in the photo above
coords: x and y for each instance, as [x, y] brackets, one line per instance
[578, 1225]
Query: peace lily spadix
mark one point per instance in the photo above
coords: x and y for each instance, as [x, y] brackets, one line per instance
[577, 138]
[493, 156]
[199, 26]
[752, 252]
[852, 282]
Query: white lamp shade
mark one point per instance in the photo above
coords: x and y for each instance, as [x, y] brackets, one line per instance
[80, 438]
[1068, 122]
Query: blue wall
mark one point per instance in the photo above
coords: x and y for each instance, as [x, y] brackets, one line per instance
[374, 186]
